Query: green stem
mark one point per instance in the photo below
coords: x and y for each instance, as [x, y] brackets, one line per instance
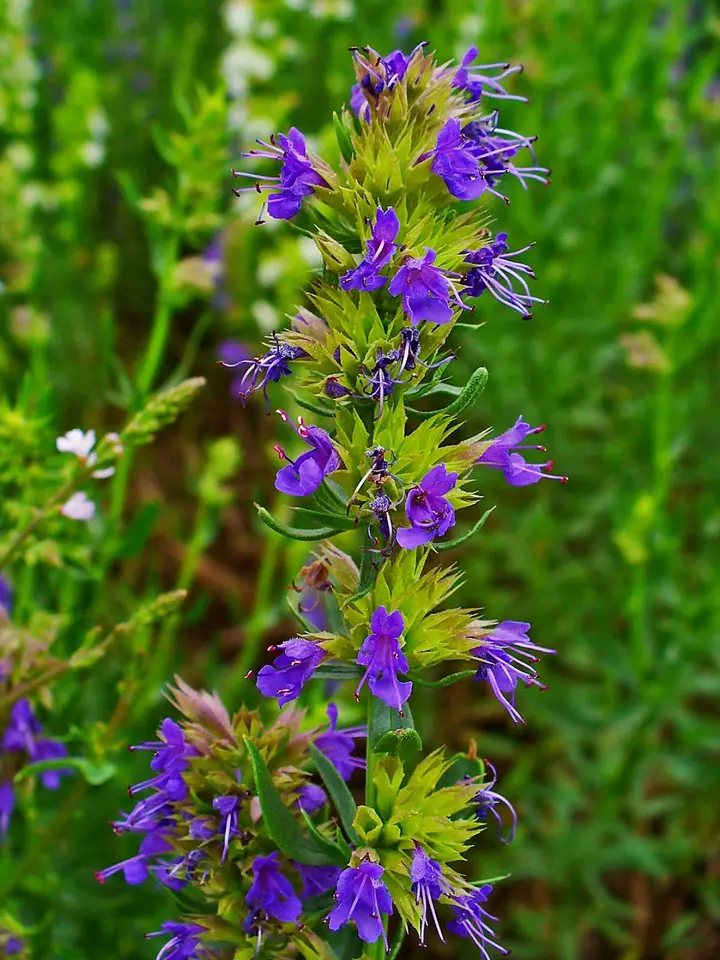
[370, 759]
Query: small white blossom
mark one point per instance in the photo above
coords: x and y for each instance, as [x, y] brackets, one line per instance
[77, 442]
[78, 507]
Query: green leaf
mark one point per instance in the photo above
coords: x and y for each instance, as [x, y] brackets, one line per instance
[305, 515]
[337, 671]
[464, 397]
[368, 575]
[333, 850]
[446, 681]
[339, 792]
[457, 541]
[342, 136]
[95, 772]
[139, 531]
[322, 410]
[296, 533]
[391, 733]
[281, 825]
[462, 766]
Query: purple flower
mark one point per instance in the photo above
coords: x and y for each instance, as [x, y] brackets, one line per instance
[291, 670]
[22, 729]
[477, 84]
[5, 595]
[261, 371]
[488, 800]
[362, 896]
[502, 665]
[228, 808]
[311, 798]
[381, 507]
[335, 390]
[384, 659]
[338, 745]
[135, 870]
[297, 180]
[303, 476]
[493, 270]
[13, 945]
[51, 750]
[184, 942]
[271, 892]
[470, 920]
[425, 290]
[494, 147]
[428, 510]
[380, 382]
[377, 74]
[316, 880]
[428, 885]
[7, 803]
[502, 455]
[379, 252]
[454, 160]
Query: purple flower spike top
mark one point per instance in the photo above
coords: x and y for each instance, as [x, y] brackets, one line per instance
[477, 84]
[502, 455]
[297, 180]
[303, 476]
[426, 291]
[428, 510]
[494, 270]
[454, 160]
[362, 896]
[384, 659]
[261, 371]
[338, 745]
[286, 677]
[471, 921]
[379, 252]
[506, 656]
[428, 885]
[184, 942]
[272, 893]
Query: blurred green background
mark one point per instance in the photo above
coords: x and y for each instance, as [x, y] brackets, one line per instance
[125, 264]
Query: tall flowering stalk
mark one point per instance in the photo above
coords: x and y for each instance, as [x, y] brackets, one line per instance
[406, 259]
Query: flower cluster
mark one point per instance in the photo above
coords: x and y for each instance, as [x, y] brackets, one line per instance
[231, 807]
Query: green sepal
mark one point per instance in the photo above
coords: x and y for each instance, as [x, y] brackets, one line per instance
[464, 398]
[296, 533]
[339, 792]
[343, 138]
[281, 825]
[333, 850]
[457, 541]
[446, 681]
[389, 732]
[95, 772]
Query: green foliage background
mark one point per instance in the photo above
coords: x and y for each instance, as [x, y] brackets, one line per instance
[116, 139]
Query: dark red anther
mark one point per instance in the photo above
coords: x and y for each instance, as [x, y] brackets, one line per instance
[272, 648]
[250, 674]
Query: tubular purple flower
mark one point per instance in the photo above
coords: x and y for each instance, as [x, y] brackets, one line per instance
[264, 370]
[494, 147]
[488, 800]
[303, 476]
[7, 804]
[285, 678]
[426, 291]
[502, 454]
[338, 745]
[316, 880]
[380, 383]
[428, 885]
[384, 659]
[493, 270]
[297, 180]
[503, 655]
[271, 892]
[470, 920]
[228, 808]
[311, 798]
[22, 729]
[362, 896]
[379, 251]
[184, 942]
[428, 510]
[477, 84]
[454, 160]
[51, 750]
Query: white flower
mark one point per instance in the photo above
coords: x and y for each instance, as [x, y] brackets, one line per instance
[77, 442]
[78, 507]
